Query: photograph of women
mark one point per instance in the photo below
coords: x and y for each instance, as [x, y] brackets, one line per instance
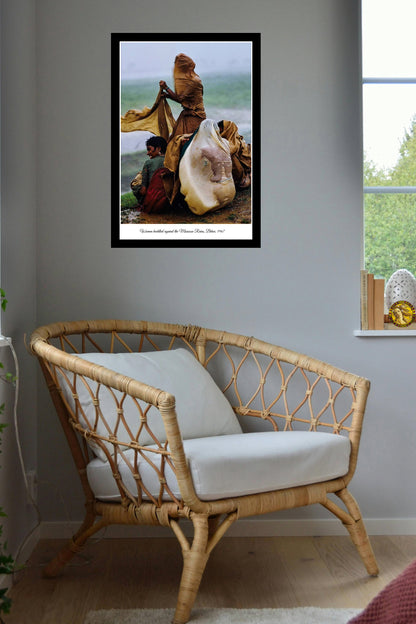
[185, 140]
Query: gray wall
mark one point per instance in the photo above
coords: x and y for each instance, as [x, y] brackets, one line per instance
[300, 289]
[18, 255]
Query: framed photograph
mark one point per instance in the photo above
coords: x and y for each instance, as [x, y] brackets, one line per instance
[185, 140]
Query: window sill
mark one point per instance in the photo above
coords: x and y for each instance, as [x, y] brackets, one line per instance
[373, 333]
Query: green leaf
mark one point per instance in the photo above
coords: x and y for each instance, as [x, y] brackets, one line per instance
[5, 601]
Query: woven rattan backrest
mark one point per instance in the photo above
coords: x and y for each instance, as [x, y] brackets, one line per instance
[261, 380]
[262, 384]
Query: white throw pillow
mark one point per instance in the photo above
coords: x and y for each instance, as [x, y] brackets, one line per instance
[201, 407]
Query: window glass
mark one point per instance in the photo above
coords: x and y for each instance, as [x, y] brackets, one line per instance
[390, 233]
[389, 113]
[388, 28]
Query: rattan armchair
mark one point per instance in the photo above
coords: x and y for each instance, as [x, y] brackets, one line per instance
[132, 429]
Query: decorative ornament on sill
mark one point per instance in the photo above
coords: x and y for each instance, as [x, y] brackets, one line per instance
[400, 298]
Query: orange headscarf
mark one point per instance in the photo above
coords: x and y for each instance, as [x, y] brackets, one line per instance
[184, 67]
[185, 78]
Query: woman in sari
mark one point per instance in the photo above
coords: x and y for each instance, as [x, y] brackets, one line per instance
[189, 93]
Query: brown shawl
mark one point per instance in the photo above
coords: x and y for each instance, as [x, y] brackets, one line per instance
[189, 91]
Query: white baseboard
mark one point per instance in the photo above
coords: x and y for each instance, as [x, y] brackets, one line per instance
[245, 528]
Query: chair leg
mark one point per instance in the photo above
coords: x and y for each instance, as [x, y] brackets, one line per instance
[74, 546]
[356, 528]
[358, 532]
[195, 558]
[207, 534]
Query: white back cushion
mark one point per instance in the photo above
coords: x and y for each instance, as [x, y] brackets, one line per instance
[201, 407]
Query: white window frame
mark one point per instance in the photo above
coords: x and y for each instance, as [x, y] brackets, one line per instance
[384, 190]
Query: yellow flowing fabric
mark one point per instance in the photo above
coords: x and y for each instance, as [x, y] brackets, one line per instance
[240, 152]
[158, 120]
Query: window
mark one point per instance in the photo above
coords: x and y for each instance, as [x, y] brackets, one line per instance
[389, 135]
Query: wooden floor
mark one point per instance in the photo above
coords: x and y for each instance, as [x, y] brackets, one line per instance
[241, 573]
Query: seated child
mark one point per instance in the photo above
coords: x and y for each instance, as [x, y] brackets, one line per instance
[156, 148]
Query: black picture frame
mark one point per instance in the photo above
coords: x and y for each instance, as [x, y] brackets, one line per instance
[230, 74]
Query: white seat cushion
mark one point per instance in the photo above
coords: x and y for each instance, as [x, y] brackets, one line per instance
[239, 464]
[201, 407]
